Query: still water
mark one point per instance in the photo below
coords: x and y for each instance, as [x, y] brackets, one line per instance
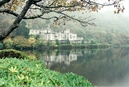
[102, 67]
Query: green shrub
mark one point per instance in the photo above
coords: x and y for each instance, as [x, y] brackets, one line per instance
[32, 73]
[66, 46]
[14, 53]
[1, 45]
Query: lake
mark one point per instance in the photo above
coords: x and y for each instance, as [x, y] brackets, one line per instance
[102, 67]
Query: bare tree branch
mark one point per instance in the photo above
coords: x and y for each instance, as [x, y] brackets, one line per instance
[59, 6]
[82, 22]
[16, 14]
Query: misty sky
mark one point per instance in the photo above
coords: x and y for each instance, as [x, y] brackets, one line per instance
[126, 4]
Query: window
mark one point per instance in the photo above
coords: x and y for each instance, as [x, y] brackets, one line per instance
[70, 36]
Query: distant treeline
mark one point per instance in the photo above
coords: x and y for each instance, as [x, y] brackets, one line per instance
[45, 45]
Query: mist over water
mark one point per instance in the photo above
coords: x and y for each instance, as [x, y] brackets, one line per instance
[102, 67]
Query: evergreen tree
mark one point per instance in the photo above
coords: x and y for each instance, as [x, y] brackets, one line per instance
[22, 30]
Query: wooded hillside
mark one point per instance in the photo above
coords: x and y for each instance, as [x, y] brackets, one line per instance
[111, 28]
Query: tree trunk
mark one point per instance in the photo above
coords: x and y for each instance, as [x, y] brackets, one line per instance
[6, 32]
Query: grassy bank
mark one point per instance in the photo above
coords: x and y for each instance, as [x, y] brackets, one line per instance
[21, 72]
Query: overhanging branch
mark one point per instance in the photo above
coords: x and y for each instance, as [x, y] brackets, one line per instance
[83, 22]
[16, 14]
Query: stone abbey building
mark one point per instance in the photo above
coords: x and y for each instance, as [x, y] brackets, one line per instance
[48, 34]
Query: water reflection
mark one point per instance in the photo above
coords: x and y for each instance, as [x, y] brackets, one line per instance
[60, 57]
[102, 67]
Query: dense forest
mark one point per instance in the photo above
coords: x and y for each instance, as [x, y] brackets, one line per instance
[110, 28]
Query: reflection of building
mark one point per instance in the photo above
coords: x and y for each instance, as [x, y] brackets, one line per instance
[48, 34]
[64, 58]
[61, 58]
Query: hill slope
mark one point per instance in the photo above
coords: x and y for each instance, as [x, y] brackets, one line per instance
[111, 28]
